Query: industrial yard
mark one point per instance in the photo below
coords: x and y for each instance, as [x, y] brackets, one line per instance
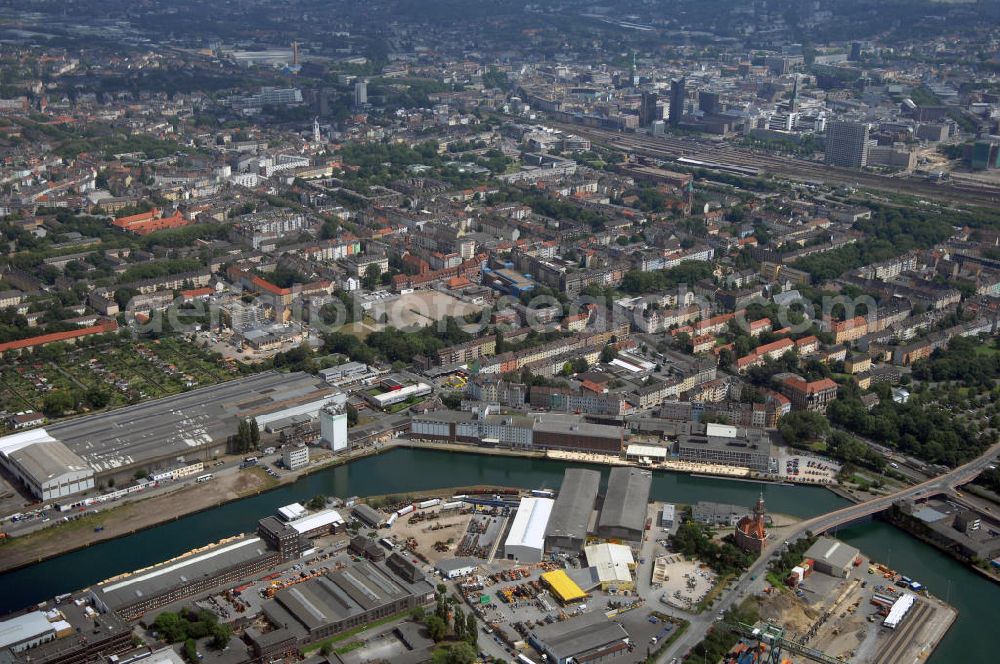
[871, 615]
[418, 309]
[584, 572]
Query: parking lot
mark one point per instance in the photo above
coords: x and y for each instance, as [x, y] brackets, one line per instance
[797, 467]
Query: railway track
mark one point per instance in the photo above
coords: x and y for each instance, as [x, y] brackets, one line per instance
[797, 170]
[903, 636]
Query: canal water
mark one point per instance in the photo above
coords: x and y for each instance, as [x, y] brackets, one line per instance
[411, 471]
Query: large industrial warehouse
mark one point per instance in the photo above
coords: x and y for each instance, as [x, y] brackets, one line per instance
[131, 595]
[526, 540]
[348, 598]
[570, 518]
[48, 468]
[832, 556]
[193, 425]
[591, 637]
[623, 515]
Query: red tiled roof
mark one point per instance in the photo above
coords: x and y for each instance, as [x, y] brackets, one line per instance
[42, 339]
[134, 218]
[774, 345]
[805, 341]
[197, 292]
[267, 286]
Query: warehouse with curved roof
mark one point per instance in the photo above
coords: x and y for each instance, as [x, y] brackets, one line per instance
[526, 540]
[48, 468]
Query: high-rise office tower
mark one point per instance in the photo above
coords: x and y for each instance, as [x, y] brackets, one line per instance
[677, 95]
[847, 144]
[317, 135]
[708, 102]
[361, 93]
[647, 109]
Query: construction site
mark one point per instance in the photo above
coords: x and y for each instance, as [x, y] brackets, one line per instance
[840, 607]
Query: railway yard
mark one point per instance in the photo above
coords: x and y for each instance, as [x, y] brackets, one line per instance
[745, 162]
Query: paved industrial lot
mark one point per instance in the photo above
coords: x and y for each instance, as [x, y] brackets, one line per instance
[179, 424]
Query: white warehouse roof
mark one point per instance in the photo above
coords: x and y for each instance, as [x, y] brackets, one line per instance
[651, 451]
[43, 462]
[291, 512]
[24, 628]
[16, 441]
[528, 529]
[721, 430]
[899, 609]
[317, 520]
[612, 561]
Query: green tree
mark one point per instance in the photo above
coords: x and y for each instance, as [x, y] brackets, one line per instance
[317, 502]
[803, 426]
[436, 628]
[452, 400]
[169, 627]
[458, 622]
[471, 630]
[57, 403]
[461, 653]
[220, 635]
[191, 651]
[608, 353]
[370, 280]
[97, 398]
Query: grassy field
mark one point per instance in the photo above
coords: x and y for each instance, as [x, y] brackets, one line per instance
[987, 350]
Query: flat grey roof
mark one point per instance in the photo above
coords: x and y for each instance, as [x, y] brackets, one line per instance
[755, 445]
[368, 513]
[833, 552]
[557, 423]
[574, 504]
[122, 591]
[579, 635]
[179, 424]
[449, 564]
[707, 510]
[626, 499]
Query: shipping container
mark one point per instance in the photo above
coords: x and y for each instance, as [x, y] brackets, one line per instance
[429, 503]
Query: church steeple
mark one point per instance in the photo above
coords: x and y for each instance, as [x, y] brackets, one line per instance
[758, 509]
